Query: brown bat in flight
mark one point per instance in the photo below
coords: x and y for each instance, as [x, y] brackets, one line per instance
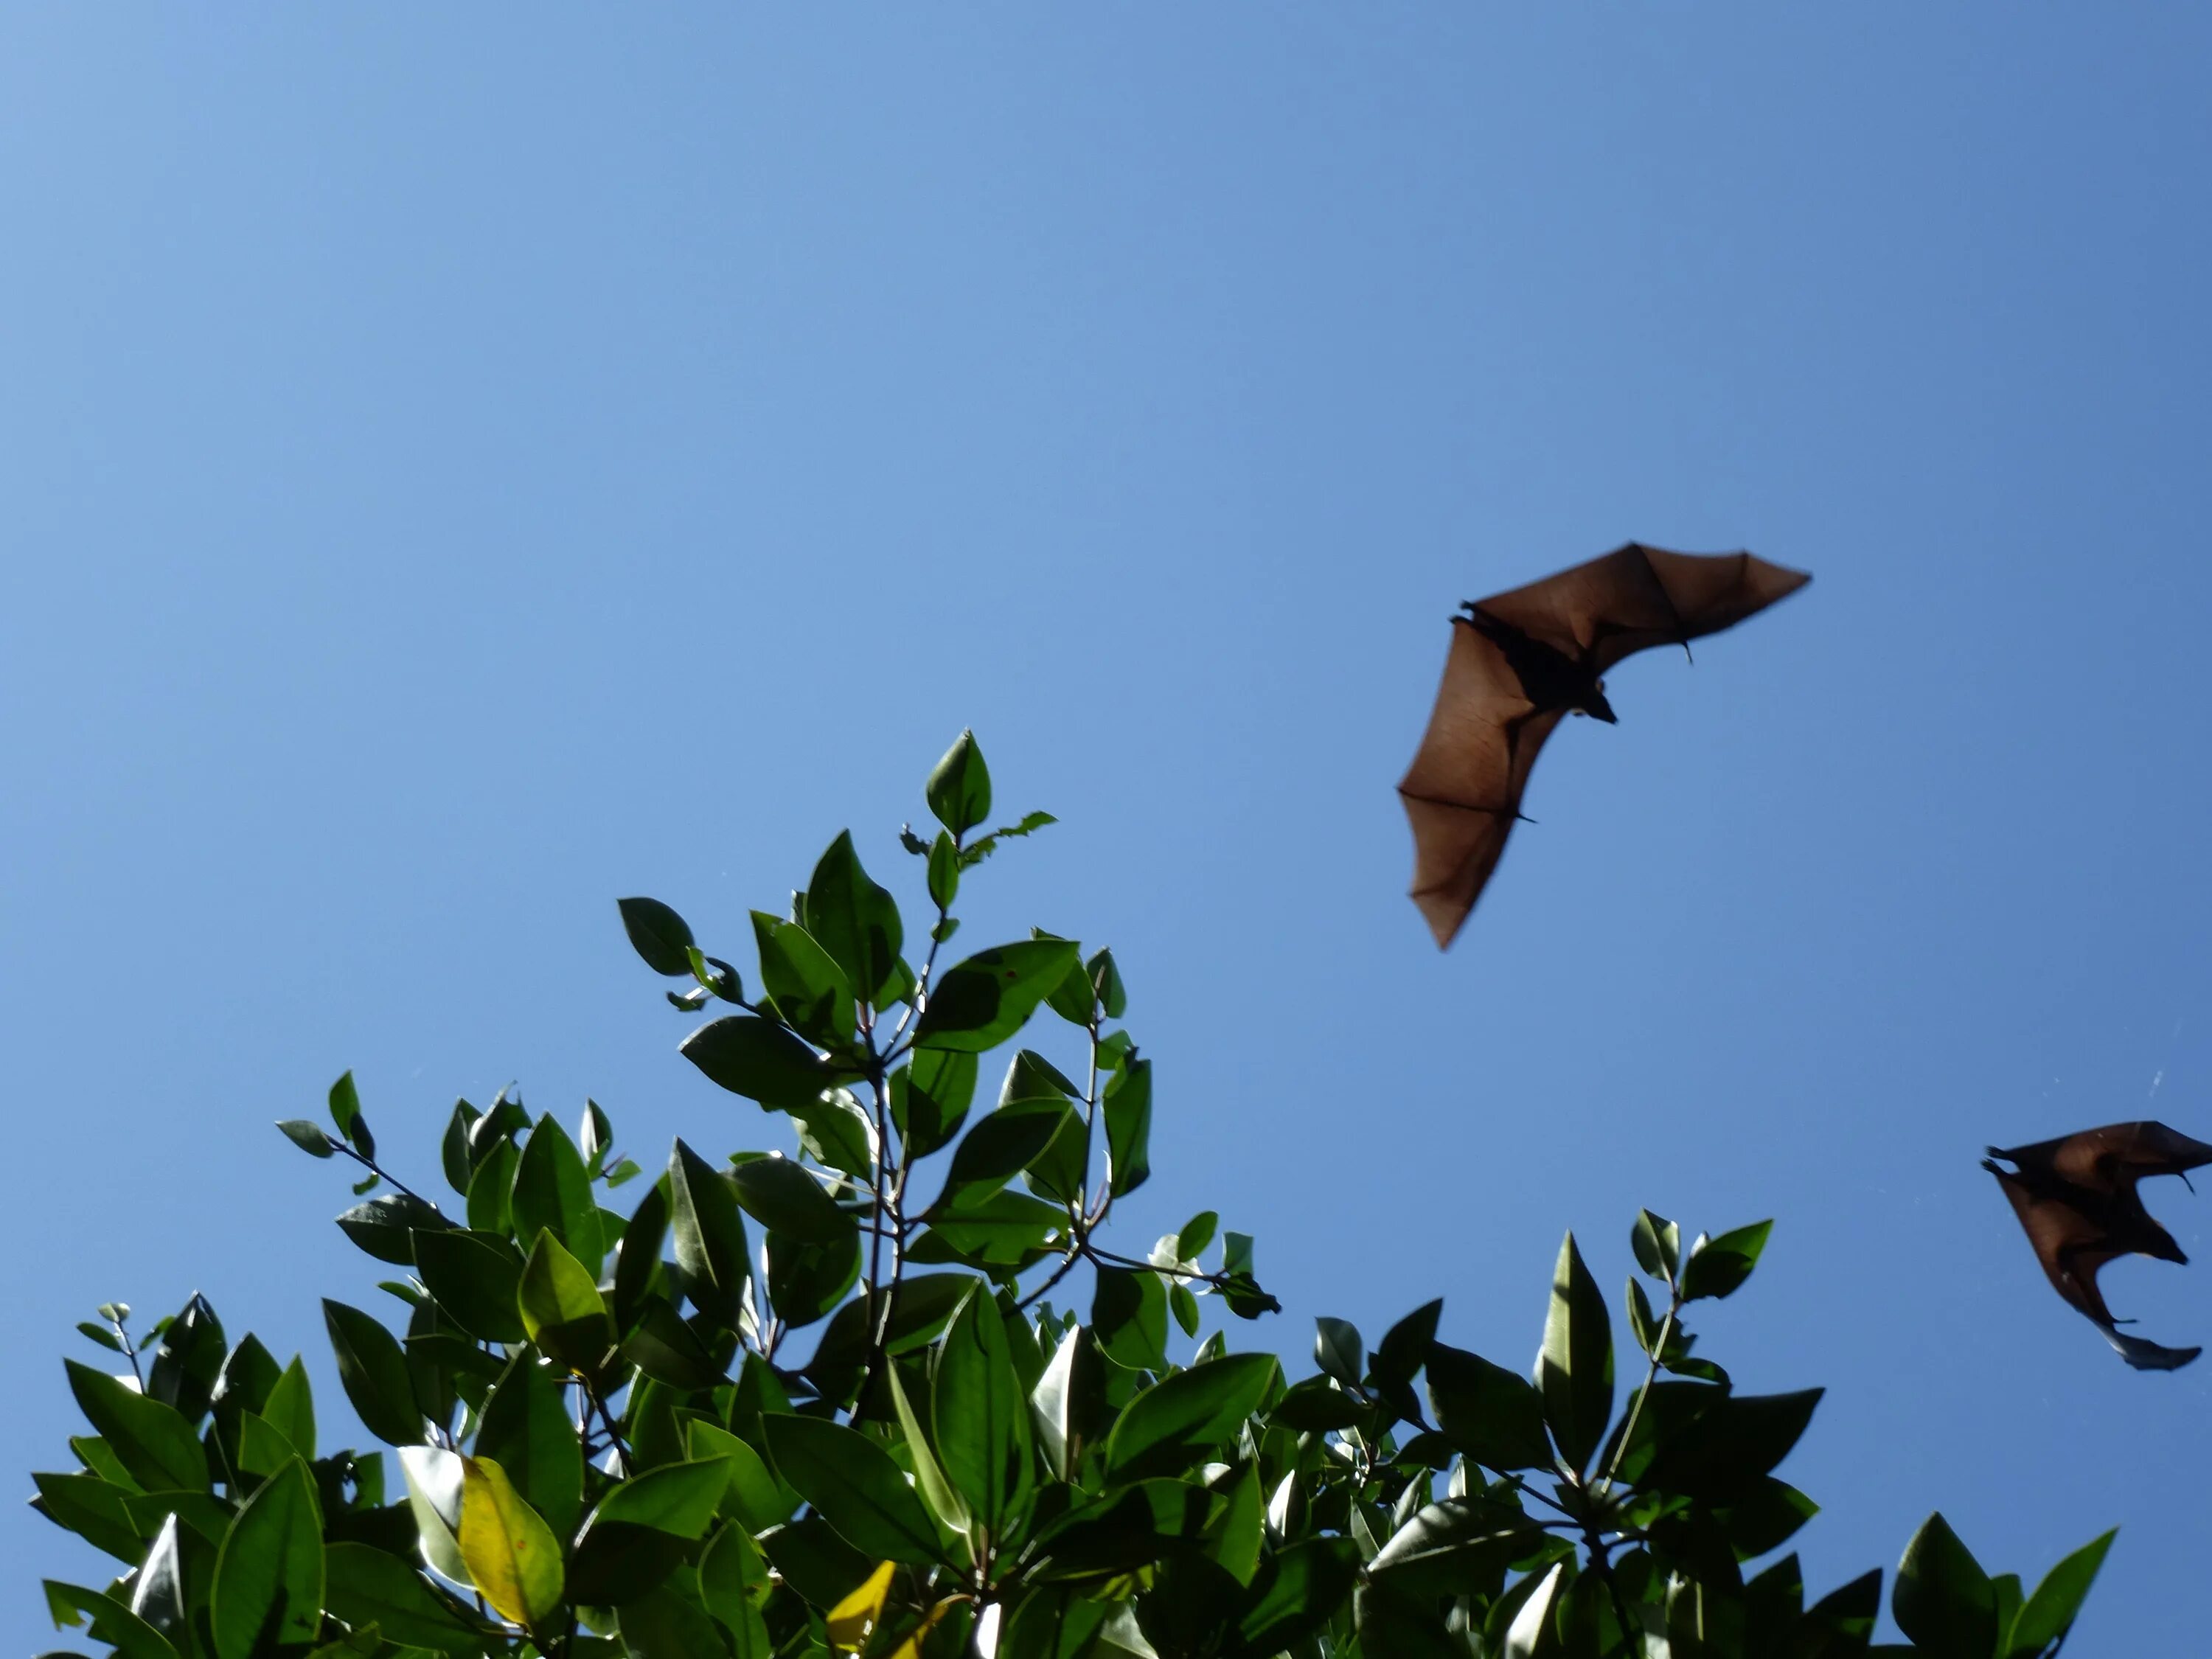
[2076, 1198]
[1522, 660]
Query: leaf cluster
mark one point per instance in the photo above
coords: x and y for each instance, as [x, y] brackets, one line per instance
[817, 1400]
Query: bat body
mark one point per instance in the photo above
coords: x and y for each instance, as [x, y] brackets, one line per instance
[1520, 663]
[2076, 1199]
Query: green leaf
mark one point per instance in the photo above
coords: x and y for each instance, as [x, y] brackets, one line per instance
[733, 1583]
[562, 1308]
[710, 1233]
[434, 1477]
[1943, 1600]
[663, 1624]
[856, 922]
[345, 1112]
[679, 1499]
[1723, 1452]
[2051, 1612]
[1129, 1311]
[855, 1485]
[999, 1146]
[784, 1198]
[473, 1277]
[1719, 1267]
[385, 1227]
[1128, 1110]
[1461, 1546]
[92, 1509]
[938, 1493]
[491, 1190]
[809, 989]
[1658, 1243]
[111, 1622]
[289, 1408]
[836, 1132]
[269, 1574]
[453, 1150]
[806, 1282]
[1068, 1406]
[637, 1259]
[373, 1370]
[364, 1586]
[1174, 1422]
[985, 1000]
[1575, 1370]
[1338, 1350]
[930, 1096]
[513, 1557]
[307, 1136]
[755, 1498]
[959, 788]
[152, 1441]
[981, 1415]
[1310, 1581]
[669, 1351]
[1492, 1415]
[944, 869]
[525, 1428]
[659, 935]
[758, 1059]
[553, 1193]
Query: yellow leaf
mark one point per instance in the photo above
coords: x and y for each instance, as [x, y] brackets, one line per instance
[511, 1553]
[911, 1648]
[852, 1619]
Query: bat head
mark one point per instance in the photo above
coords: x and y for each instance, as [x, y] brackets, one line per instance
[1592, 703]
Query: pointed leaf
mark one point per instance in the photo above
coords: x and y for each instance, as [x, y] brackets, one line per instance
[959, 788]
[1174, 1422]
[2051, 1612]
[1943, 1600]
[856, 922]
[981, 1002]
[1575, 1370]
[855, 1486]
[269, 1574]
[710, 1234]
[514, 1559]
[151, 1440]
[553, 1193]
[759, 1059]
[659, 935]
[372, 1369]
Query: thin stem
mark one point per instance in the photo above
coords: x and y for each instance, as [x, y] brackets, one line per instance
[384, 1175]
[1650, 1376]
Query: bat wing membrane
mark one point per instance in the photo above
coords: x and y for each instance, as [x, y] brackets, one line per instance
[1638, 597]
[1463, 790]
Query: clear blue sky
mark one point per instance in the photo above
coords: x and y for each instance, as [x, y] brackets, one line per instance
[455, 469]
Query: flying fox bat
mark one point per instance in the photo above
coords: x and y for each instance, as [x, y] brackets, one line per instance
[1520, 661]
[2076, 1199]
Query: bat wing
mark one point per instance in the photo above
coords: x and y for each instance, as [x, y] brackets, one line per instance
[1463, 791]
[1638, 597]
[2072, 1247]
[2118, 1154]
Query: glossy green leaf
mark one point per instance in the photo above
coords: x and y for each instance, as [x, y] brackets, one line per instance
[637, 1259]
[1658, 1243]
[809, 989]
[111, 1621]
[709, 1232]
[855, 1486]
[733, 1584]
[525, 1427]
[269, 1574]
[152, 1441]
[856, 922]
[1310, 1581]
[2051, 1612]
[553, 1193]
[1943, 1600]
[754, 1497]
[659, 935]
[982, 1416]
[1127, 1108]
[944, 869]
[365, 1585]
[1174, 1422]
[1725, 1450]
[1722, 1264]
[1493, 1415]
[474, 1277]
[309, 1137]
[779, 1193]
[678, 1498]
[434, 1485]
[981, 1002]
[758, 1059]
[373, 1370]
[92, 1509]
[939, 1494]
[514, 1559]
[562, 1308]
[1339, 1352]
[491, 1190]
[807, 1281]
[930, 1096]
[1000, 1145]
[1129, 1312]
[959, 788]
[288, 1407]
[662, 1346]
[385, 1226]
[1575, 1370]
